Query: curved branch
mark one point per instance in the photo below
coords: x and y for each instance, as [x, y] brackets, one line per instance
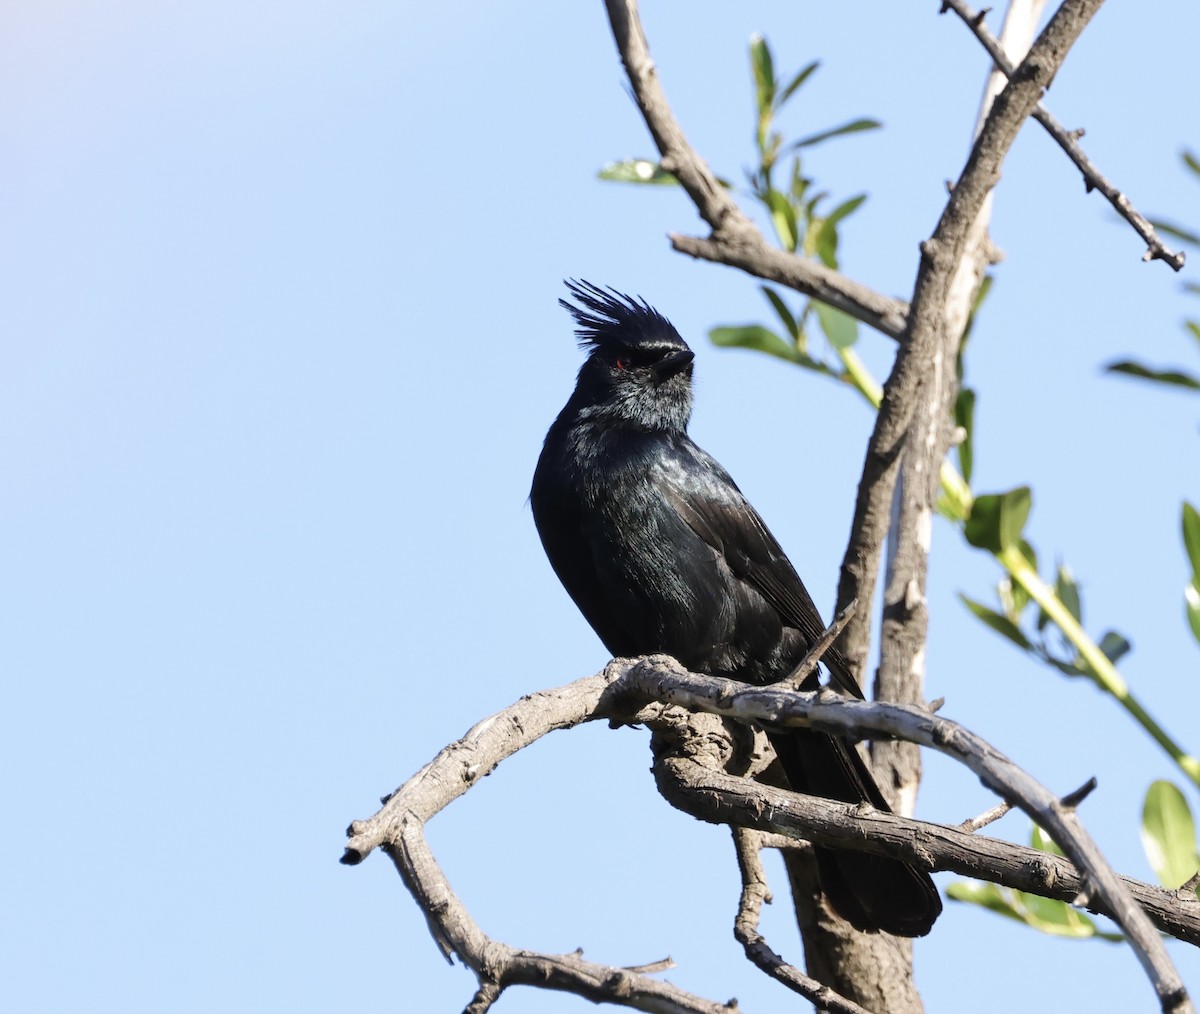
[398, 829]
[662, 679]
[620, 694]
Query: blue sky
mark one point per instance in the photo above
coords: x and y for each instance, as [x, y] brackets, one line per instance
[280, 343]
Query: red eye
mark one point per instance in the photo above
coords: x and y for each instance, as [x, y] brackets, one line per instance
[621, 363]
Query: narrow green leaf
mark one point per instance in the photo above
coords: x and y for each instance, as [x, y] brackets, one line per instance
[1043, 842]
[1193, 326]
[852, 127]
[988, 896]
[847, 207]
[1057, 918]
[756, 337]
[1016, 506]
[964, 417]
[1067, 590]
[783, 215]
[764, 74]
[1065, 667]
[1169, 834]
[1191, 598]
[825, 242]
[799, 185]
[1115, 646]
[801, 76]
[1190, 523]
[782, 311]
[1001, 624]
[840, 328]
[637, 170]
[1044, 914]
[1191, 162]
[1174, 377]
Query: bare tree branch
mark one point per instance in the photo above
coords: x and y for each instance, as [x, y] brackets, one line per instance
[755, 893]
[695, 780]
[398, 829]
[941, 255]
[662, 679]
[1069, 142]
[905, 623]
[985, 818]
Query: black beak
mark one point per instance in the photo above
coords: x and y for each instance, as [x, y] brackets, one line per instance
[670, 365]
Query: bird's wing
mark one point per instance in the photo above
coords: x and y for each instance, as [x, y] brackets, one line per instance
[709, 501]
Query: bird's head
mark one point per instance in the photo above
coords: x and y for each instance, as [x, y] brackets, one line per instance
[639, 371]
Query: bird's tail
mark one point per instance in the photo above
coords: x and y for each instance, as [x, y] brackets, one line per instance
[870, 892]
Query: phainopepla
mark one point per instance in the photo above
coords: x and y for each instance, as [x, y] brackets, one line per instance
[662, 553]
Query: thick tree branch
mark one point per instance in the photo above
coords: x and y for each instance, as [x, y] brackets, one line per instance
[1068, 140]
[662, 679]
[716, 798]
[904, 629]
[621, 692]
[941, 256]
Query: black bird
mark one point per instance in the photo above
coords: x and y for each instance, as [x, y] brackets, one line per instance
[662, 553]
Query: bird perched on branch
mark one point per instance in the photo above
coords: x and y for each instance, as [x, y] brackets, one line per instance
[662, 553]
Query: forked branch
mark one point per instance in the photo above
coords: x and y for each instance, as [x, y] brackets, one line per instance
[640, 691]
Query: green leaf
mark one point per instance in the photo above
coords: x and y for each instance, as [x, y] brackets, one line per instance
[1067, 590]
[1050, 915]
[840, 328]
[1044, 914]
[1169, 834]
[997, 519]
[783, 215]
[1191, 161]
[782, 312]
[964, 417]
[1191, 597]
[764, 75]
[637, 170]
[1191, 536]
[852, 127]
[1193, 325]
[1043, 842]
[1001, 624]
[801, 76]
[1114, 646]
[1174, 377]
[989, 896]
[825, 242]
[756, 337]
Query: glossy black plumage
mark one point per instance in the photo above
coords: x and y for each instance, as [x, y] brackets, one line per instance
[661, 553]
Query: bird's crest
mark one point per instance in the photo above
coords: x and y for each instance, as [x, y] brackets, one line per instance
[607, 317]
